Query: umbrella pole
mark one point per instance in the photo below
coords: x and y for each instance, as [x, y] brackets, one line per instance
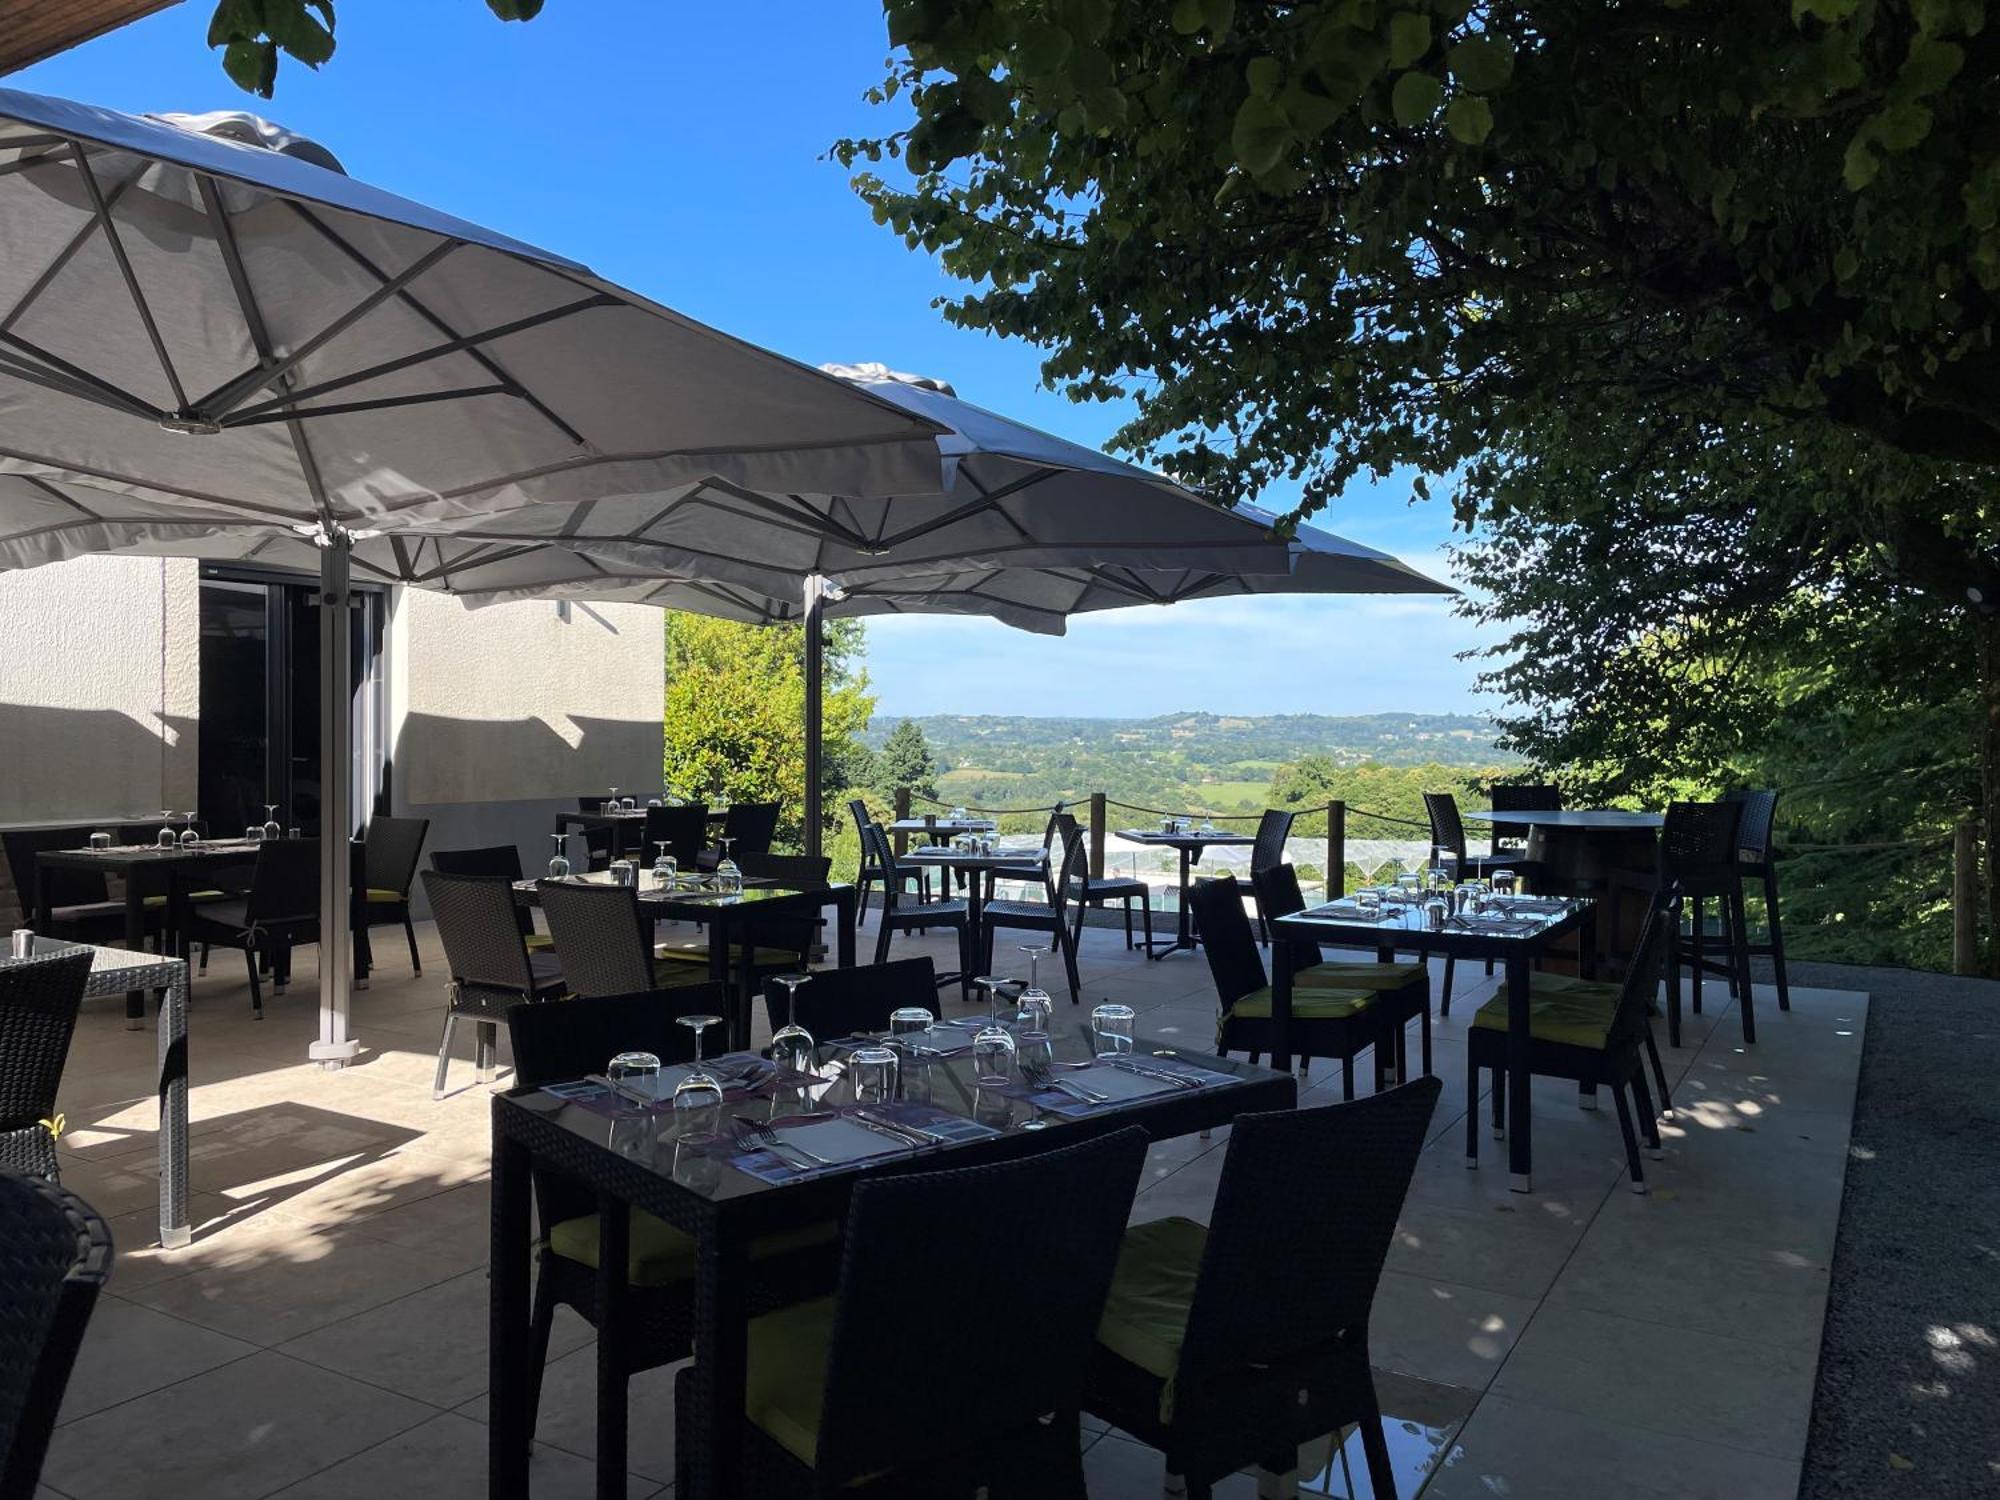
[335, 1048]
[815, 599]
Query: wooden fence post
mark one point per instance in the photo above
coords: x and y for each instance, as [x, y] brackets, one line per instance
[1097, 818]
[902, 808]
[1965, 898]
[1336, 850]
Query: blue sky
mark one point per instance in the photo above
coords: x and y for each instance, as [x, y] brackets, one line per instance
[679, 149]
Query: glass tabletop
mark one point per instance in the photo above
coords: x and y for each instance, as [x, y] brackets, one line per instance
[777, 1127]
[1516, 917]
[102, 960]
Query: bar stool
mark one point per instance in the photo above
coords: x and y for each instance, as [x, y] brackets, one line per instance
[1755, 860]
[1698, 854]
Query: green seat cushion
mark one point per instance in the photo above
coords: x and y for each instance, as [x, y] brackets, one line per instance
[194, 896]
[662, 1254]
[384, 895]
[695, 951]
[1568, 986]
[785, 1383]
[1359, 976]
[1307, 1005]
[538, 942]
[1146, 1313]
[1571, 1020]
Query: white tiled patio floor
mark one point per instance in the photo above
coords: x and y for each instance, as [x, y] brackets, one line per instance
[325, 1333]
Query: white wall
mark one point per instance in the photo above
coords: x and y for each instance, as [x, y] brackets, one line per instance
[99, 689]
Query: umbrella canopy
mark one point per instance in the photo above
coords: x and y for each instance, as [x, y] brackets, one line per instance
[208, 330]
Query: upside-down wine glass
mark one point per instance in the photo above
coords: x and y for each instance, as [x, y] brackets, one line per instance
[666, 868]
[792, 1044]
[559, 865]
[728, 874]
[993, 1046]
[1035, 1011]
[190, 835]
[698, 1097]
[273, 829]
[166, 838]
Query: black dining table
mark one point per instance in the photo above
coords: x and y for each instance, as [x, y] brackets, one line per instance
[973, 865]
[626, 824]
[696, 899]
[1608, 853]
[725, 1192]
[1517, 931]
[1189, 844]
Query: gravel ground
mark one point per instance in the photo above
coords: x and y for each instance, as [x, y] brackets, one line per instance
[1908, 1402]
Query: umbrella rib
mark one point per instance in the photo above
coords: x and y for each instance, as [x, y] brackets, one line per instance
[117, 244]
[63, 257]
[233, 392]
[486, 361]
[401, 547]
[466, 343]
[350, 408]
[57, 495]
[986, 501]
[79, 383]
[822, 525]
[254, 510]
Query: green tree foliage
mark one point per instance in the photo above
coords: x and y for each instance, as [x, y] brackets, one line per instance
[905, 759]
[735, 716]
[252, 33]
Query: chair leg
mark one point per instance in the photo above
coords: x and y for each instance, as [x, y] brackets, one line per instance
[487, 1032]
[204, 959]
[1659, 1073]
[882, 931]
[410, 932]
[1739, 962]
[1346, 1076]
[539, 1328]
[1146, 910]
[1649, 1122]
[256, 984]
[444, 1054]
[1632, 1164]
[1499, 1104]
[1444, 1002]
[1673, 984]
[1067, 942]
[1375, 1448]
[1777, 936]
[1127, 904]
[1472, 1115]
[1696, 957]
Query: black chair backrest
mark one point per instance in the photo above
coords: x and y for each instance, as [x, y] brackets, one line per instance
[39, 999]
[481, 933]
[1278, 895]
[1518, 797]
[394, 847]
[562, 1040]
[1753, 826]
[599, 840]
[752, 825]
[683, 829]
[1227, 939]
[1640, 988]
[1698, 847]
[875, 844]
[592, 804]
[898, 1381]
[496, 859]
[57, 1252]
[1272, 830]
[803, 872]
[842, 1002]
[1063, 880]
[1446, 827]
[284, 884]
[605, 941]
[1281, 1276]
[63, 887]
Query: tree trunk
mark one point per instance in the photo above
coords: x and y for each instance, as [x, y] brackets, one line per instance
[1986, 627]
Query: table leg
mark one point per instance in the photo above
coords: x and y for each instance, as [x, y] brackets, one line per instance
[718, 973]
[614, 1217]
[135, 942]
[1520, 1148]
[720, 1337]
[174, 1231]
[975, 919]
[846, 906]
[508, 1433]
[1281, 1006]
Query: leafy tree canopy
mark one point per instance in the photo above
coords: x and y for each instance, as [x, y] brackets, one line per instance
[905, 759]
[252, 33]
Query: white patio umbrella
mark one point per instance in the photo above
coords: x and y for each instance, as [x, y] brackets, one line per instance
[204, 324]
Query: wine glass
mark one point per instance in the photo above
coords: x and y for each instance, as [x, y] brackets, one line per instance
[611, 803]
[698, 1096]
[190, 835]
[792, 1044]
[993, 1048]
[559, 864]
[728, 874]
[666, 869]
[273, 829]
[167, 838]
[1035, 1013]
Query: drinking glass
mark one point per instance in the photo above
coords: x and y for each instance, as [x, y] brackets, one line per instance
[1369, 900]
[559, 865]
[1443, 861]
[636, 1070]
[993, 1053]
[1409, 889]
[254, 834]
[190, 835]
[698, 1097]
[666, 869]
[909, 1025]
[100, 841]
[873, 1071]
[993, 1107]
[728, 874]
[1504, 884]
[273, 829]
[166, 838]
[1035, 1011]
[652, 802]
[291, 833]
[1111, 1027]
[630, 804]
[792, 1044]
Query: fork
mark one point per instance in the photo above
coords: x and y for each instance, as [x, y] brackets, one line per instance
[768, 1138]
[1042, 1078]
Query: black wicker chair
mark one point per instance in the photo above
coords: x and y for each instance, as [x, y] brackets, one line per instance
[281, 911]
[562, 1041]
[604, 940]
[55, 1253]
[592, 805]
[750, 827]
[389, 872]
[1093, 890]
[1050, 915]
[39, 999]
[1267, 853]
[492, 967]
[1336, 1022]
[1404, 989]
[919, 915]
[1510, 843]
[1698, 858]
[1448, 832]
[865, 1392]
[844, 1002]
[683, 829]
[1236, 1344]
[1592, 1034]
[73, 904]
[870, 873]
[778, 944]
[503, 860]
[600, 845]
[1756, 860]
